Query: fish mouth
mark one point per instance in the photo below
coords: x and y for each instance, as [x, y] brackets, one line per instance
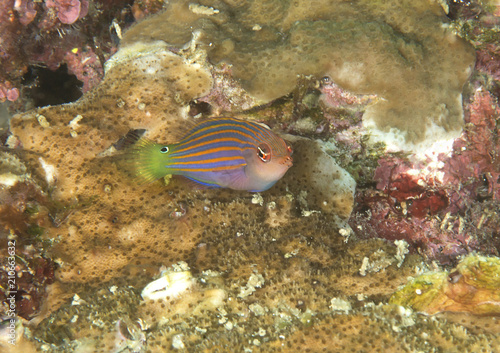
[288, 162]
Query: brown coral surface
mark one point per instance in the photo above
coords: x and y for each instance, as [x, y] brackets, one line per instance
[402, 51]
[166, 266]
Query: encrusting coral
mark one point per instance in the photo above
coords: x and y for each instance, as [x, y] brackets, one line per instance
[165, 266]
[366, 47]
[150, 90]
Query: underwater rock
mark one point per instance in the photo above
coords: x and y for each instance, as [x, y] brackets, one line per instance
[473, 286]
[402, 52]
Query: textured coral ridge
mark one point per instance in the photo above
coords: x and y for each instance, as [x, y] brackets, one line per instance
[261, 311]
[401, 51]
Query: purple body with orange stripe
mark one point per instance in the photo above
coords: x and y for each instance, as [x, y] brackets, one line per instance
[219, 152]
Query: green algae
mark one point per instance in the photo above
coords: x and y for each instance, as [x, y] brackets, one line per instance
[481, 272]
[474, 286]
[420, 291]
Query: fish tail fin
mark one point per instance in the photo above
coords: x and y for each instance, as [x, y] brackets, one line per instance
[145, 162]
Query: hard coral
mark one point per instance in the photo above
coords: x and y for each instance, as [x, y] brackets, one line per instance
[365, 47]
[268, 272]
[146, 87]
[381, 329]
[113, 231]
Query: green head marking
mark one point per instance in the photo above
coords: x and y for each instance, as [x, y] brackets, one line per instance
[149, 160]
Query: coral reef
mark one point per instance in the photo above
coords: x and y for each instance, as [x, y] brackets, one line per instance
[57, 32]
[471, 287]
[365, 47]
[443, 204]
[446, 204]
[24, 213]
[276, 316]
[146, 87]
[103, 264]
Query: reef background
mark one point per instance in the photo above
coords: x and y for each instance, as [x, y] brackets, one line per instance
[319, 261]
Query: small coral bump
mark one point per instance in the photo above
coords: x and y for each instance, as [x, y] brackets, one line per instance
[171, 284]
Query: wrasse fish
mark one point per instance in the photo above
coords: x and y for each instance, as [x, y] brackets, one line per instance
[217, 152]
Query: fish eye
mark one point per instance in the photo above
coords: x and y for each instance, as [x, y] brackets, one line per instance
[264, 152]
[164, 149]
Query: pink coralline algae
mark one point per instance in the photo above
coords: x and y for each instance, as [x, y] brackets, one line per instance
[488, 60]
[416, 195]
[334, 96]
[7, 92]
[50, 39]
[85, 65]
[26, 10]
[68, 11]
[23, 218]
[476, 155]
[442, 207]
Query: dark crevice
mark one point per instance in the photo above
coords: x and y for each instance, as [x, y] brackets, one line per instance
[45, 87]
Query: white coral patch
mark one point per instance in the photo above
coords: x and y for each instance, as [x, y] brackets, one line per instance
[50, 171]
[73, 124]
[170, 284]
[9, 179]
[338, 304]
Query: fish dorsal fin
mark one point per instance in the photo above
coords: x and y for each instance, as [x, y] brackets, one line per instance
[178, 130]
[129, 140]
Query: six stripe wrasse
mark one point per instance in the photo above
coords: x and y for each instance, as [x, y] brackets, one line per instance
[217, 152]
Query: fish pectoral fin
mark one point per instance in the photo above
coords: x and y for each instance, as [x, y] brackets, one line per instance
[201, 185]
[237, 179]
